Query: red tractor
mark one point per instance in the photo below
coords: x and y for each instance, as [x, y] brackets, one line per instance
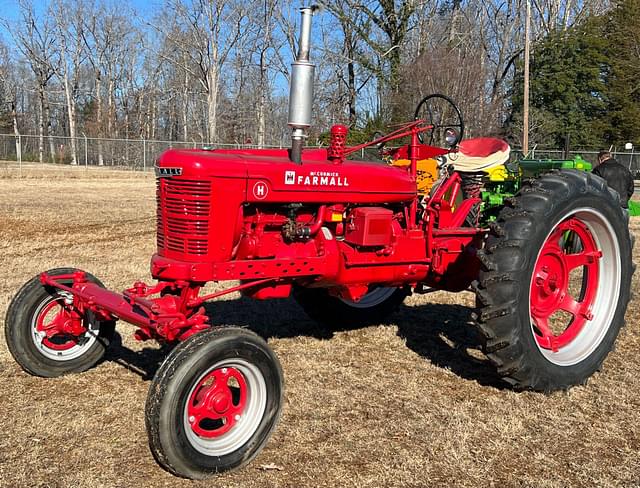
[349, 240]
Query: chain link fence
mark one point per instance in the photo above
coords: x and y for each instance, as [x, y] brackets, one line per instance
[140, 154]
[131, 154]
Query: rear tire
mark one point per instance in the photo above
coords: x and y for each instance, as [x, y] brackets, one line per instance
[60, 354]
[550, 315]
[214, 402]
[336, 312]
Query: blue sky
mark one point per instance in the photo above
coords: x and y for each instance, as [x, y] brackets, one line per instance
[10, 12]
[9, 8]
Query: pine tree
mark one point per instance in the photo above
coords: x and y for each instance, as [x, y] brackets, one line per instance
[568, 87]
[623, 49]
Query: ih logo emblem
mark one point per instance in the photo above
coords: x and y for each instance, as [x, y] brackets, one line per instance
[260, 190]
[290, 178]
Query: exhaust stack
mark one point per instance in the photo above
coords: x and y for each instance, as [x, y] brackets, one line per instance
[301, 90]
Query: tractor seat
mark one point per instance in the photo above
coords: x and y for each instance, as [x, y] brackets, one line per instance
[479, 154]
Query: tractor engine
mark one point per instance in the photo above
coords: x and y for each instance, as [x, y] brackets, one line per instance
[252, 214]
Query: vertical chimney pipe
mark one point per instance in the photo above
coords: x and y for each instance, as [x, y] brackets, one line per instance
[301, 89]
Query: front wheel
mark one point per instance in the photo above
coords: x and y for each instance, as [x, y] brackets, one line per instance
[214, 402]
[550, 313]
[37, 332]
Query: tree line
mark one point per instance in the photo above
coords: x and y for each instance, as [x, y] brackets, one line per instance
[216, 71]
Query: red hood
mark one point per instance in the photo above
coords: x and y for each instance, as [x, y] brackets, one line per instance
[272, 177]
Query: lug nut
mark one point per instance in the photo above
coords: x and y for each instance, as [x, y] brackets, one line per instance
[192, 419]
[237, 417]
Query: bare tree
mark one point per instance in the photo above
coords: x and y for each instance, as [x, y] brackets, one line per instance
[108, 34]
[34, 38]
[353, 54]
[392, 21]
[207, 34]
[552, 15]
[9, 92]
[69, 32]
[265, 37]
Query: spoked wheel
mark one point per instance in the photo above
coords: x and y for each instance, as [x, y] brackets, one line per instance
[45, 335]
[550, 311]
[336, 312]
[440, 112]
[213, 403]
[571, 291]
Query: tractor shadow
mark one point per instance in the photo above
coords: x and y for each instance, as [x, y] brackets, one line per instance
[443, 334]
[440, 333]
[144, 363]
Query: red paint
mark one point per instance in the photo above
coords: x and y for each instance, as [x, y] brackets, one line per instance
[369, 226]
[57, 328]
[550, 285]
[481, 147]
[254, 216]
[217, 402]
[337, 144]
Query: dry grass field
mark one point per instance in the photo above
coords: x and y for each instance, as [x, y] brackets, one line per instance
[409, 403]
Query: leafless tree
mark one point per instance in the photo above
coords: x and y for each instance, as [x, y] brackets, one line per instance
[9, 91]
[110, 40]
[264, 46]
[69, 32]
[207, 33]
[34, 38]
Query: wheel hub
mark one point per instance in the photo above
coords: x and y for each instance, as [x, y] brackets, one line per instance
[217, 402]
[551, 277]
[220, 402]
[550, 285]
[60, 331]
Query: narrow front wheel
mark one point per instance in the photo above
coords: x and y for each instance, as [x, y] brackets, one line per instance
[214, 403]
[44, 334]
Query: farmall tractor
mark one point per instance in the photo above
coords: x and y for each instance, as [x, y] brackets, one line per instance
[349, 240]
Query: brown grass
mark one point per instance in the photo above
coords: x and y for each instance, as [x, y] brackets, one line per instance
[409, 403]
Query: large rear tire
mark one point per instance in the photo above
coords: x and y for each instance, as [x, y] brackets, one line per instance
[336, 312]
[214, 402]
[33, 309]
[549, 314]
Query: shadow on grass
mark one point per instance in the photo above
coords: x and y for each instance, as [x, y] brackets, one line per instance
[441, 333]
[144, 363]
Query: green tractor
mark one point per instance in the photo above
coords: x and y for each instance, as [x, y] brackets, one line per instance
[504, 181]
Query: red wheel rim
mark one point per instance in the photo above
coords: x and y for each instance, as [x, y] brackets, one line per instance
[53, 327]
[550, 282]
[217, 402]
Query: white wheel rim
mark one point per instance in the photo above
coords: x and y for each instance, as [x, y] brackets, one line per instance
[607, 291]
[84, 343]
[372, 298]
[251, 417]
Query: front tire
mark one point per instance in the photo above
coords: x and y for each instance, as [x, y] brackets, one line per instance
[214, 402]
[49, 356]
[336, 312]
[550, 314]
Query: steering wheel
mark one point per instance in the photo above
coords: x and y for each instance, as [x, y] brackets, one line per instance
[441, 113]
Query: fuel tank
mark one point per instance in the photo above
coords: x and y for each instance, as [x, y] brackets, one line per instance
[272, 178]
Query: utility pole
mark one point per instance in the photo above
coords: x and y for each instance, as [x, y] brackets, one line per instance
[525, 111]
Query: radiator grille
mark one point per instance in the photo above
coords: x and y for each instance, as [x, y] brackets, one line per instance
[183, 213]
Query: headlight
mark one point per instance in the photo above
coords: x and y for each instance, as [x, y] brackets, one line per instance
[451, 136]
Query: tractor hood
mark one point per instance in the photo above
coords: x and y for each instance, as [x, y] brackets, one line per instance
[272, 177]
